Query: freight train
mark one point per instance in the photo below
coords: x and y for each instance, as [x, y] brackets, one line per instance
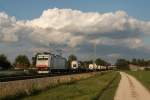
[50, 63]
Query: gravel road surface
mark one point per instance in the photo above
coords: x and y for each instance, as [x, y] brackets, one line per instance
[131, 89]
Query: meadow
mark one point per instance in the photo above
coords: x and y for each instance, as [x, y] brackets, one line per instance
[13, 90]
[100, 87]
[142, 76]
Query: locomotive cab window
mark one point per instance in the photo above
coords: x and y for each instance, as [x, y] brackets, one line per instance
[74, 65]
[42, 58]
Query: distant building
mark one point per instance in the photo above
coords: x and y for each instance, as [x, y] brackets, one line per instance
[112, 67]
[136, 67]
[21, 66]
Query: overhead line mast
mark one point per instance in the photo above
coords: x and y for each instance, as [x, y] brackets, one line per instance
[94, 58]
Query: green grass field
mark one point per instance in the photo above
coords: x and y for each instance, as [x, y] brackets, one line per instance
[109, 93]
[142, 76]
[100, 86]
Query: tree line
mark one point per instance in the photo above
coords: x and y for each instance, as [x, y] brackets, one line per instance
[22, 61]
[124, 64]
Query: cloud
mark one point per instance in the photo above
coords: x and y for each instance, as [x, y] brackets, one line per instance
[114, 55]
[74, 28]
[91, 25]
[7, 28]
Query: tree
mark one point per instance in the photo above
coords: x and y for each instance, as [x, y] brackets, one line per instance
[122, 64]
[22, 61]
[101, 62]
[4, 63]
[148, 62]
[70, 59]
[86, 63]
[134, 61]
[139, 62]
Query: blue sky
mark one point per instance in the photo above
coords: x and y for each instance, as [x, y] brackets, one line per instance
[29, 9]
[124, 32]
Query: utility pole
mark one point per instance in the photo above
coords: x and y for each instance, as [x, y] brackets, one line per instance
[95, 51]
[50, 47]
[94, 59]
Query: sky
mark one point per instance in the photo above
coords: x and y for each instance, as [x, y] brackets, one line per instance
[119, 28]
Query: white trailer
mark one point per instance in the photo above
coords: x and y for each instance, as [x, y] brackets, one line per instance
[74, 65]
[92, 66]
[103, 67]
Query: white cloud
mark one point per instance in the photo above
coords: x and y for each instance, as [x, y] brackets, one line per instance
[131, 43]
[46, 36]
[76, 40]
[114, 55]
[7, 28]
[91, 24]
[77, 21]
[73, 27]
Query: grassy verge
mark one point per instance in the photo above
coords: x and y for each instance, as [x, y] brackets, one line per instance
[18, 89]
[88, 89]
[142, 76]
[109, 93]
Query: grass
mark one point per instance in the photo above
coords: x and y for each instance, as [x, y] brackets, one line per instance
[109, 93]
[87, 89]
[18, 89]
[142, 76]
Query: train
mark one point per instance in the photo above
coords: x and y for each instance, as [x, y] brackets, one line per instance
[47, 62]
[74, 64]
[50, 63]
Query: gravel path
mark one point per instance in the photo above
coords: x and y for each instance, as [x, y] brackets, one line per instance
[131, 89]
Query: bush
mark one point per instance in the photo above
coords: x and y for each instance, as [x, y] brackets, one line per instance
[4, 63]
[122, 64]
[148, 69]
[22, 61]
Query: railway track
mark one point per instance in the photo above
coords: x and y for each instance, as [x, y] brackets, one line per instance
[25, 77]
[20, 77]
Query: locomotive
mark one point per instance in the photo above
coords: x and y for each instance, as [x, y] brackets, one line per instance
[47, 62]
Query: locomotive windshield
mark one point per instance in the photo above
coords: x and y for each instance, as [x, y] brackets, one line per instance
[42, 58]
[74, 65]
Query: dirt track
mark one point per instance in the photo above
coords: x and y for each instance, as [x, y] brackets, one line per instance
[130, 89]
